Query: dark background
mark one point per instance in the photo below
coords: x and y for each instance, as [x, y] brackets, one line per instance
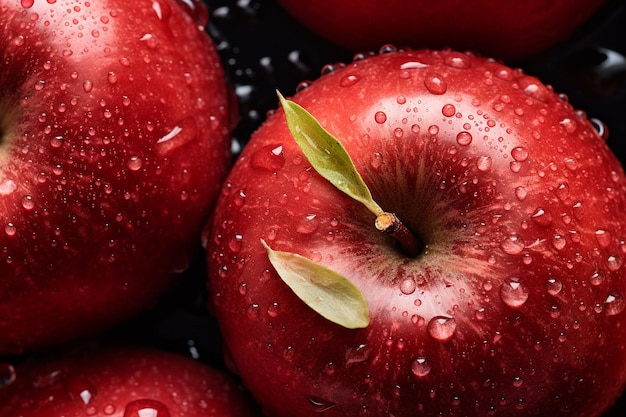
[263, 49]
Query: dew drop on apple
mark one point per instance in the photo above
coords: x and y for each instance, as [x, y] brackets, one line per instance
[134, 163]
[521, 193]
[7, 374]
[614, 262]
[483, 163]
[349, 80]
[380, 117]
[541, 218]
[81, 391]
[514, 292]
[553, 286]
[235, 243]
[308, 225]
[269, 157]
[10, 229]
[320, 405]
[357, 354]
[448, 110]
[435, 84]
[614, 303]
[603, 237]
[253, 311]
[464, 138]
[442, 328]
[512, 245]
[519, 154]
[597, 278]
[27, 4]
[27, 202]
[408, 286]
[146, 408]
[420, 367]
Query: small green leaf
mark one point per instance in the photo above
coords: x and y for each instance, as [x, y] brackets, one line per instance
[326, 154]
[327, 292]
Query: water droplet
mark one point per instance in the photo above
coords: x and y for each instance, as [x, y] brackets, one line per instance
[273, 310]
[464, 138]
[558, 242]
[519, 154]
[27, 4]
[408, 286]
[457, 60]
[412, 65]
[235, 243]
[484, 163]
[420, 367]
[513, 292]
[320, 405]
[512, 245]
[541, 218]
[7, 374]
[112, 77]
[614, 263]
[134, 163]
[380, 117]
[554, 286]
[600, 127]
[521, 193]
[349, 80]
[448, 110]
[81, 391]
[57, 141]
[27, 202]
[253, 311]
[308, 225]
[597, 278]
[357, 355]
[614, 303]
[433, 130]
[441, 327]
[146, 408]
[269, 157]
[436, 84]
[10, 229]
[603, 237]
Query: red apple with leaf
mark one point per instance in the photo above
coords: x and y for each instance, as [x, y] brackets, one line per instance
[114, 140]
[436, 234]
[122, 381]
[507, 29]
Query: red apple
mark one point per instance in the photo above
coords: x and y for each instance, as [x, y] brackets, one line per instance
[506, 29]
[122, 381]
[513, 306]
[114, 140]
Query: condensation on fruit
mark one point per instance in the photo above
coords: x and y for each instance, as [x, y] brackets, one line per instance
[81, 391]
[269, 158]
[614, 303]
[146, 407]
[442, 328]
[512, 245]
[435, 84]
[320, 405]
[7, 374]
[514, 292]
[308, 225]
[420, 367]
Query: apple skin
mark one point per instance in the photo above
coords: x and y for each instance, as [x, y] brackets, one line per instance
[511, 30]
[114, 141]
[119, 381]
[514, 308]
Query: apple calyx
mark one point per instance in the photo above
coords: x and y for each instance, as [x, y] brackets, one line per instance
[327, 292]
[330, 159]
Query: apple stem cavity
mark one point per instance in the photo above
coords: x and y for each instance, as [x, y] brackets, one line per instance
[330, 159]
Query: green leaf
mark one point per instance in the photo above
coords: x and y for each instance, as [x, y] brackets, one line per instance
[327, 292]
[326, 154]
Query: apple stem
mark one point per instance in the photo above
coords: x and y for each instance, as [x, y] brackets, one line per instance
[390, 223]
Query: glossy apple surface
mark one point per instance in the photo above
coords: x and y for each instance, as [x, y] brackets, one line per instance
[508, 30]
[515, 307]
[114, 138]
[122, 381]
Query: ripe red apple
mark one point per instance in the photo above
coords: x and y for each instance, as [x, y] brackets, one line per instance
[114, 140]
[122, 381]
[513, 306]
[506, 29]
